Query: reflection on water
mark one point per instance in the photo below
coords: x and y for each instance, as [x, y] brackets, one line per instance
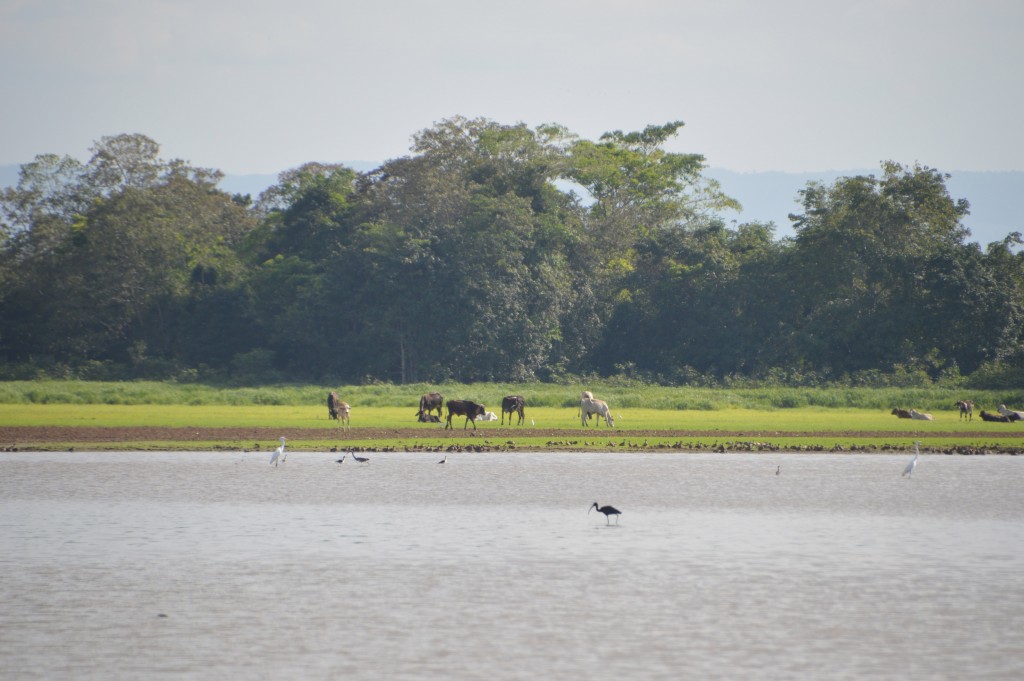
[212, 566]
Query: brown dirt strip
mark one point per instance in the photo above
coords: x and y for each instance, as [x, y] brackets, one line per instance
[28, 436]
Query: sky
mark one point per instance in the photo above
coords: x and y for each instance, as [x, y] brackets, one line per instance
[260, 86]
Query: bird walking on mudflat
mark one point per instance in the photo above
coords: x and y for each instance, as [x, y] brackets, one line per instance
[608, 511]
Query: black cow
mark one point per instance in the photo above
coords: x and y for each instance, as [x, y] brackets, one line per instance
[513, 404]
[429, 403]
[998, 418]
[427, 418]
[332, 405]
[471, 410]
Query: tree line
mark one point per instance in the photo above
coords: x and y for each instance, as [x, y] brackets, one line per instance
[496, 252]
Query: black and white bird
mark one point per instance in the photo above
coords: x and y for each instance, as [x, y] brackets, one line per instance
[608, 511]
[342, 459]
[444, 459]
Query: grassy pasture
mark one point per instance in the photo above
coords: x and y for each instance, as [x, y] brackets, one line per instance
[545, 428]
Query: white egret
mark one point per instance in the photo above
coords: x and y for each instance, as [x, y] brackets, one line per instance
[277, 454]
[909, 470]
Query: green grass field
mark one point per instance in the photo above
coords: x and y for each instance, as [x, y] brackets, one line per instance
[546, 427]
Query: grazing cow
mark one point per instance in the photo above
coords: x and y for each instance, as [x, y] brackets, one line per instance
[343, 415]
[471, 410]
[999, 418]
[599, 407]
[918, 416]
[513, 404]
[966, 409]
[429, 403]
[427, 418]
[901, 413]
[332, 406]
[1011, 414]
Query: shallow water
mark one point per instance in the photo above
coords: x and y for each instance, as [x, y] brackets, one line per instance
[214, 565]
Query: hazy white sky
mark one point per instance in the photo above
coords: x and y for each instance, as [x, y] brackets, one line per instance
[259, 86]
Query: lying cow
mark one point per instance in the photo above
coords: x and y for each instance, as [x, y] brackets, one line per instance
[489, 416]
[513, 404]
[998, 418]
[471, 410]
[1011, 414]
[901, 413]
[427, 418]
[918, 416]
[429, 403]
[599, 407]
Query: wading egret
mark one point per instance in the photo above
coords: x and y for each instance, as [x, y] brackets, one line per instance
[277, 454]
[909, 470]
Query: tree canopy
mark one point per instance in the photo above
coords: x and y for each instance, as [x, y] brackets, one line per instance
[494, 252]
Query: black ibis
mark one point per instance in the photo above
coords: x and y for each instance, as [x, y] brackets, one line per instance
[608, 511]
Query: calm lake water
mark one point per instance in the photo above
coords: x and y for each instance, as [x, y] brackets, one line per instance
[219, 566]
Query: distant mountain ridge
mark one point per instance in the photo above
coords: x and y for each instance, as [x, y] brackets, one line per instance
[772, 196]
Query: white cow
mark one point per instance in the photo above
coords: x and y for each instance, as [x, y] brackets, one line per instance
[1014, 415]
[590, 406]
[488, 416]
[344, 413]
[915, 414]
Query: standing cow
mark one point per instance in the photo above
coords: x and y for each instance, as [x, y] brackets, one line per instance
[513, 404]
[332, 406]
[589, 405]
[429, 403]
[471, 410]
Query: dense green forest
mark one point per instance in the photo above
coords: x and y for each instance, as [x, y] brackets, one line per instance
[496, 252]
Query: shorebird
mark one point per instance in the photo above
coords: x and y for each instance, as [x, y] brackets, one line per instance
[444, 459]
[909, 470]
[277, 454]
[778, 470]
[608, 511]
[360, 459]
[342, 459]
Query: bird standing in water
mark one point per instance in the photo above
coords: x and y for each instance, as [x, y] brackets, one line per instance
[608, 511]
[359, 459]
[277, 454]
[444, 459]
[909, 470]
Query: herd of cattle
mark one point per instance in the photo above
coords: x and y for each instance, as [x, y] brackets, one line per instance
[473, 412]
[590, 407]
[966, 408]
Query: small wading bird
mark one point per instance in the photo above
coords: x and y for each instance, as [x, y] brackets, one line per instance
[444, 459]
[341, 460]
[909, 470]
[778, 470]
[277, 454]
[608, 511]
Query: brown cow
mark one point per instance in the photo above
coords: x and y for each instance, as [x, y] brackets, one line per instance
[513, 404]
[429, 403]
[332, 406]
[901, 413]
[966, 409]
[998, 418]
[471, 410]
